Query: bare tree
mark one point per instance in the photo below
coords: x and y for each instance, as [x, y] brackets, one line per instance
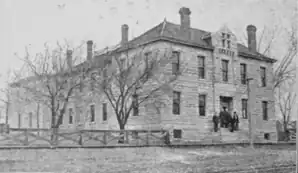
[137, 79]
[50, 78]
[286, 101]
[5, 94]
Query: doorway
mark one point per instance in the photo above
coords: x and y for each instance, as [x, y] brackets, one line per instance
[226, 102]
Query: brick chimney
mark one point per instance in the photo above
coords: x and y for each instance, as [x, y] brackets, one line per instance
[69, 58]
[251, 38]
[124, 34]
[89, 49]
[184, 18]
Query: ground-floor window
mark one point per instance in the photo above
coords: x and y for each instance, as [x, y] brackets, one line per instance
[267, 136]
[177, 133]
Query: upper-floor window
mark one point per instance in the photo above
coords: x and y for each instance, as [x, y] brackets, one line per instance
[122, 64]
[30, 119]
[243, 73]
[135, 105]
[225, 67]
[226, 40]
[175, 62]
[265, 110]
[92, 112]
[202, 104]
[105, 76]
[148, 64]
[104, 112]
[70, 115]
[176, 102]
[93, 80]
[201, 68]
[263, 76]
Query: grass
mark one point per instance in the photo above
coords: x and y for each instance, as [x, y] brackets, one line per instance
[141, 160]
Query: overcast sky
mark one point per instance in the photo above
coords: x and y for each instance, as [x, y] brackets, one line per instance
[34, 22]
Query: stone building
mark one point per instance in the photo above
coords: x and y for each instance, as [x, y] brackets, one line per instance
[218, 69]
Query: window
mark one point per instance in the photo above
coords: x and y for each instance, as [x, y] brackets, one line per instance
[176, 62]
[148, 64]
[105, 75]
[201, 61]
[267, 136]
[244, 108]
[225, 66]
[265, 110]
[30, 119]
[177, 133]
[202, 105]
[104, 112]
[135, 105]
[176, 102]
[93, 80]
[243, 73]
[122, 64]
[92, 111]
[226, 38]
[263, 76]
[70, 115]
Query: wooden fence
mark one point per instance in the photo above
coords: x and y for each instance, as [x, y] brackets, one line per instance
[80, 138]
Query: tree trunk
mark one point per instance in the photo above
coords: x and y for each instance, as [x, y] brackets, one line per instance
[53, 120]
[122, 127]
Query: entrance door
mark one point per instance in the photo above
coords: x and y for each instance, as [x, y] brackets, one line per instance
[227, 102]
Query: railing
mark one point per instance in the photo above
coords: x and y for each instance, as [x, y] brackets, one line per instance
[58, 137]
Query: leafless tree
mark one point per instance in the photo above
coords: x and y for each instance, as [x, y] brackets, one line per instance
[137, 79]
[286, 101]
[50, 78]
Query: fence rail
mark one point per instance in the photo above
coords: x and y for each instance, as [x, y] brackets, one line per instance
[58, 137]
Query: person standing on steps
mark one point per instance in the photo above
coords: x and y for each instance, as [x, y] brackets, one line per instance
[235, 121]
[225, 118]
[215, 122]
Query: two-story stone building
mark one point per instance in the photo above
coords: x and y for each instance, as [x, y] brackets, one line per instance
[217, 71]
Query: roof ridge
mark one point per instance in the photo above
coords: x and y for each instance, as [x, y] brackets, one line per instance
[153, 28]
[190, 27]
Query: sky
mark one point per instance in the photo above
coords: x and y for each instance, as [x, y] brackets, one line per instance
[34, 22]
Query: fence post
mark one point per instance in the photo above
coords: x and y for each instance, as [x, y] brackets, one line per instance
[105, 137]
[147, 137]
[80, 138]
[26, 140]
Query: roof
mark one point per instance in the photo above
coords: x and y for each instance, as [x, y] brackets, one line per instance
[168, 31]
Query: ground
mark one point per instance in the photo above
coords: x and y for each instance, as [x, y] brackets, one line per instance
[151, 159]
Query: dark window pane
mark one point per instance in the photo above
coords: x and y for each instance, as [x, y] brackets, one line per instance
[201, 69]
[265, 110]
[243, 73]
[202, 105]
[244, 108]
[177, 133]
[263, 76]
[175, 62]
[225, 70]
[176, 103]
[92, 111]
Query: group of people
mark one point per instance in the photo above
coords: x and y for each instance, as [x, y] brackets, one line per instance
[226, 120]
